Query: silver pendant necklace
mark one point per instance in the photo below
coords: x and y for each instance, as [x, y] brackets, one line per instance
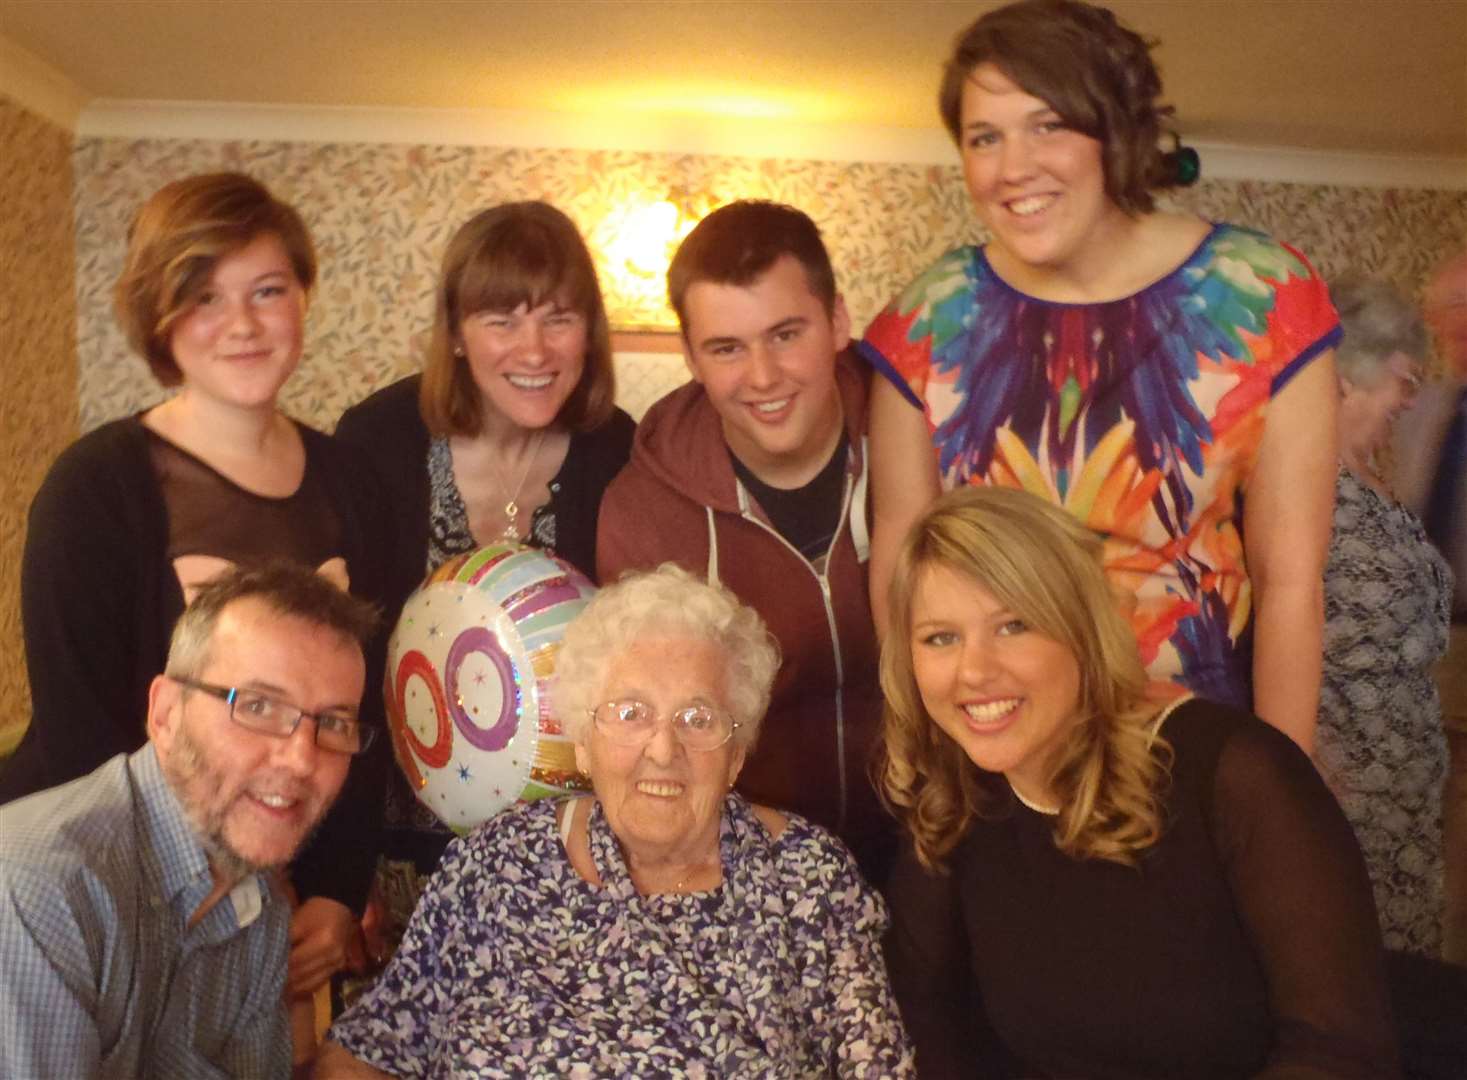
[512, 507]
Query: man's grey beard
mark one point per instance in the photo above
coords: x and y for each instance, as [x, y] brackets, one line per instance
[186, 764]
[229, 863]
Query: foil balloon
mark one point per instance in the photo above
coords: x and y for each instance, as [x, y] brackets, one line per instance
[468, 671]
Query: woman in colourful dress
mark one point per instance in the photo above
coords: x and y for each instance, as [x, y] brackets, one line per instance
[1166, 380]
[1387, 599]
[510, 432]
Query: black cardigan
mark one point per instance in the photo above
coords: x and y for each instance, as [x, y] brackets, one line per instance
[99, 598]
[388, 430]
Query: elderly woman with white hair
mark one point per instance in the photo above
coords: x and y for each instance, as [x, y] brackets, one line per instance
[1387, 593]
[662, 926]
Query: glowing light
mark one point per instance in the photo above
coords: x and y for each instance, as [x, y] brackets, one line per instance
[645, 244]
[642, 237]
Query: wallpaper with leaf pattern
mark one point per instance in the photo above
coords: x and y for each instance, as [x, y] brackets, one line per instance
[381, 215]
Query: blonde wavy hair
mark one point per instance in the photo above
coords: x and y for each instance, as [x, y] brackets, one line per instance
[1044, 566]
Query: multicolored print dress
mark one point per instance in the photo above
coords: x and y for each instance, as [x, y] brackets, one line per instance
[1141, 416]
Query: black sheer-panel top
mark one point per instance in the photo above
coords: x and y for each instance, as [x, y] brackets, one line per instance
[214, 523]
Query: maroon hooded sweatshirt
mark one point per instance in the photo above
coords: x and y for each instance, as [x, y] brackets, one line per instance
[678, 500]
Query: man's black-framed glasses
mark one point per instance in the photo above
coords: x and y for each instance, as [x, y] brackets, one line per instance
[339, 732]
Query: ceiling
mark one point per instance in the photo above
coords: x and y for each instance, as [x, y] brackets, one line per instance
[1363, 76]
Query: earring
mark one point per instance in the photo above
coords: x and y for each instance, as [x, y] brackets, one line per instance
[1181, 166]
[458, 352]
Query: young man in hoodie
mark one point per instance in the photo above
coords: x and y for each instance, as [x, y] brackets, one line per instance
[754, 475]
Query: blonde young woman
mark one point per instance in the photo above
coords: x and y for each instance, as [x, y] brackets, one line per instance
[1095, 887]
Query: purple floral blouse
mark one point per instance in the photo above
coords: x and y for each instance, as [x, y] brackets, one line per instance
[516, 966]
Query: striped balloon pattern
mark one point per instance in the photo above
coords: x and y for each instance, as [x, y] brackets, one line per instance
[469, 667]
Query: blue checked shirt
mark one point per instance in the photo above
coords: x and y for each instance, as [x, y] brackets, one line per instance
[100, 975]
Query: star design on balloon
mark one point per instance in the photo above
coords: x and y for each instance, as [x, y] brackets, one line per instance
[463, 773]
[433, 630]
[478, 678]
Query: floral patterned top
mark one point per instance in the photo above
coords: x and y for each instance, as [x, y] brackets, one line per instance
[515, 966]
[448, 518]
[1142, 416]
[1387, 604]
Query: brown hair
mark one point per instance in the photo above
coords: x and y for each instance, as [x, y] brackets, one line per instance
[1044, 566]
[1097, 74]
[737, 243]
[518, 253]
[174, 243]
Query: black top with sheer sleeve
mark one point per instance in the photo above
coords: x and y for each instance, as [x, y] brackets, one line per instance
[1245, 944]
[209, 514]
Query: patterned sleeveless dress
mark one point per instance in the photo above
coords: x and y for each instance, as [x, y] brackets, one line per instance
[1141, 416]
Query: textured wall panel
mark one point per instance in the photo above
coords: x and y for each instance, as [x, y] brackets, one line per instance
[38, 408]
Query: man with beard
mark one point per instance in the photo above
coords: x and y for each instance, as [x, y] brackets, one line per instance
[141, 932]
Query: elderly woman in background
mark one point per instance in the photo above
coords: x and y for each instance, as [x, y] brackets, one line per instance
[1096, 886]
[137, 514]
[663, 926]
[1387, 598]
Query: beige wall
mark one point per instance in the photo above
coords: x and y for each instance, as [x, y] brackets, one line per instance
[38, 409]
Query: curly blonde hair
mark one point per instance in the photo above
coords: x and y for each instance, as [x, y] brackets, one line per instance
[1044, 566]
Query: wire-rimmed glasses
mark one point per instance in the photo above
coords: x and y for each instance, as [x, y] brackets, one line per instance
[632, 723]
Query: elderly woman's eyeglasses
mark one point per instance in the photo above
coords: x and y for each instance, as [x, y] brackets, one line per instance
[632, 723]
[341, 733]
